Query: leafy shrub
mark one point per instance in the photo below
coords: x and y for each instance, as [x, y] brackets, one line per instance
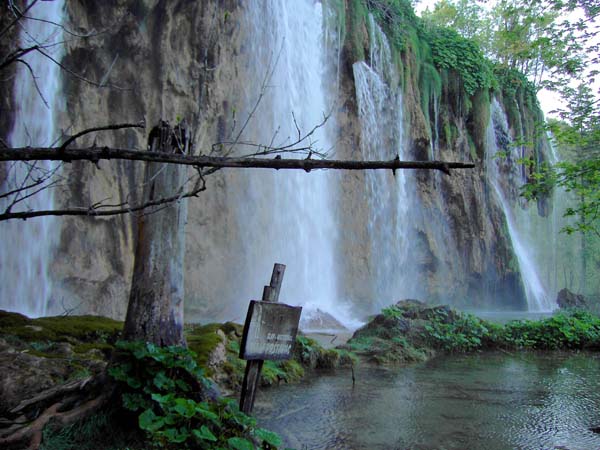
[168, 389]
[466, 333]
[451, 51]
[572, 330]
[575, 330]
[397, 17]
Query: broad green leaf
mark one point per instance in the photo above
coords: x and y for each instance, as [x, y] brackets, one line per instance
[149, 421]
[240, 443]
[204, 434]
[185, 407]
[161, 381]
[269, 437]
[176, 435]
[206, 413]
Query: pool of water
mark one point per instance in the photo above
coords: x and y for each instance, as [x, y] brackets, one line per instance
[483, 401]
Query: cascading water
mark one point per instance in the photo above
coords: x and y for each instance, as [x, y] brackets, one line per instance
[504, 174]
[559, 258]
[25, 258]
[380, 110]
[287, 216]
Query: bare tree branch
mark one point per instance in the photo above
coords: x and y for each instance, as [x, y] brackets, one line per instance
[19, 15]
[97, 154]
[140, 124]
[34, 78]
[15, 55]
[98, 209]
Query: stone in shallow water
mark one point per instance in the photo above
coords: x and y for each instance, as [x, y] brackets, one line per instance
[317, 319]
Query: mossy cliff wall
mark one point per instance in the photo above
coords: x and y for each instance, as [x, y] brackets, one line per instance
[187, 59]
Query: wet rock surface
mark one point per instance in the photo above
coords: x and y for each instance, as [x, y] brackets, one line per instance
[567, 299]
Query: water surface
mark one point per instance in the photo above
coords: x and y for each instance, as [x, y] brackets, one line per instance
[484, 401]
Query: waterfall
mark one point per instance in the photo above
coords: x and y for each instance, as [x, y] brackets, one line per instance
[505, 176]
[389, 196]
[27, 247]
[564, 253]
[288, 216]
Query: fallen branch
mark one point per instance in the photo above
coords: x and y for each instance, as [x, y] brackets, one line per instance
[97, 154]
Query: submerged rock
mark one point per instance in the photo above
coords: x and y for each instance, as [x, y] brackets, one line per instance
[567, 299]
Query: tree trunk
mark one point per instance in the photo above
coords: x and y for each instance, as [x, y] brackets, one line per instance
[155, 310]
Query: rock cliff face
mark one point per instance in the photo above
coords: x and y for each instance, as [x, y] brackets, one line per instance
[157, 59]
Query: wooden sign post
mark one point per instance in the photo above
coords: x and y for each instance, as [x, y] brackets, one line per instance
[269, 333]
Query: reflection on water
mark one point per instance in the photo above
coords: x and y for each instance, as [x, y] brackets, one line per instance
[486, 401]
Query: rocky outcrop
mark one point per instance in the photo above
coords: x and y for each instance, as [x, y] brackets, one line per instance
[567, 300]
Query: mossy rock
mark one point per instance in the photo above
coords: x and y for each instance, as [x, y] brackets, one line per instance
[203, 340]
[12, 319]
[274, 372]
[71, 329]
[94, 350]
[397, 334]
[396, 350]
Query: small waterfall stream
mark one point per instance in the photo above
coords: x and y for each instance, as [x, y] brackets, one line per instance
[505, 176]
[380, 110]
[25, 256]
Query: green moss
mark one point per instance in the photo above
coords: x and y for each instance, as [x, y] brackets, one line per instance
[394, 350]
[60, 328]
[12, 319]
[203, 340]
[356, 30]
[42, 354]
[472, 148]
[430, 84]
[87, 347]
[478, 122]
[274, 372]
[450, 133]
[519, 97]
[293, 370]
[230, 328]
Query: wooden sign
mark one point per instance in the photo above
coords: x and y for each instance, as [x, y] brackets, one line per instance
[270, 331]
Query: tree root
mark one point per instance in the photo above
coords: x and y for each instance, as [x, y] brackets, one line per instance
[63, 405]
